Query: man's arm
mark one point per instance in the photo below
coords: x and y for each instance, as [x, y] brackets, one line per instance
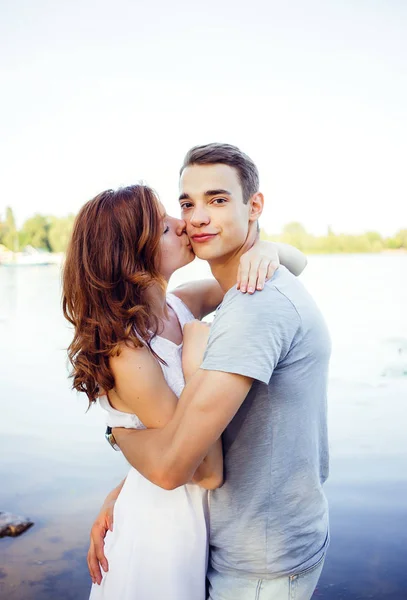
[170, 457]
[246, 342]
[103, 523]
[141, 389]
[209, 474]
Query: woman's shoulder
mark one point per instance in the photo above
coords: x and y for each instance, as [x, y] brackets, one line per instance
[131, 359]
[183, 304]
[140, 386]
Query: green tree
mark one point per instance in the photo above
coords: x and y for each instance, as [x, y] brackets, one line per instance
[53, 234]
[34, 232]
[9, 235]
[401, 238]
[376, 241]
[371, 241]
[295, 229]
[294, 233]
[2, 230]
[60, 232]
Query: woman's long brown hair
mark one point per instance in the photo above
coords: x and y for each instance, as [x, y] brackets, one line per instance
[110, 265]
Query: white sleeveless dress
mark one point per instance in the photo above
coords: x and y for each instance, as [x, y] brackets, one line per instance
[159, 545]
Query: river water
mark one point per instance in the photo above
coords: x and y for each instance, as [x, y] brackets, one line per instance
[56, 466]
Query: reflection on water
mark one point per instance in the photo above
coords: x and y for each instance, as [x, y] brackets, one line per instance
[56, 466]
[60, 490]
[369, 538]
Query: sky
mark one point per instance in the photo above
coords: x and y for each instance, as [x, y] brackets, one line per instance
[99, 94]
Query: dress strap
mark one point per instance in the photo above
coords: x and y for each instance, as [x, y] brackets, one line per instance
[181, 309]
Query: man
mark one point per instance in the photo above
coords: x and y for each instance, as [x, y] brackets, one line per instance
[262, 385]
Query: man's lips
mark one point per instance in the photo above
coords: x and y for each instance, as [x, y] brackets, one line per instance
[203, 237]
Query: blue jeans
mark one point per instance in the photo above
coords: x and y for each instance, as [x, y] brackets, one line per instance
[299, 586]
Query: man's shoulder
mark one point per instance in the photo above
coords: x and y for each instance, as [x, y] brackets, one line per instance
[251, 333]
[277, 293]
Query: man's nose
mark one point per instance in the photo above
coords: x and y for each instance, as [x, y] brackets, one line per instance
[199, 217]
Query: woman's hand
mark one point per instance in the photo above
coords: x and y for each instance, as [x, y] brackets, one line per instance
[256, 266]
[196, 334]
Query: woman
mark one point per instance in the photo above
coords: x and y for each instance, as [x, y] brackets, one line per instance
[126, 351]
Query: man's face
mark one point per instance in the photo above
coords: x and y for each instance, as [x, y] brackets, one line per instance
[217, 220]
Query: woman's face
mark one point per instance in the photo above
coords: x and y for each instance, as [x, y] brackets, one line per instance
[175, 249]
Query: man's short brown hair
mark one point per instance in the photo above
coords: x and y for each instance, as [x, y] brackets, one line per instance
[226, 154]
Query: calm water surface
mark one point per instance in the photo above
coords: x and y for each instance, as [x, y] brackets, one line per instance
[56, 466]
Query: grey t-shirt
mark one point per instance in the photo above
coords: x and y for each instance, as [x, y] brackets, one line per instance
[270, 518]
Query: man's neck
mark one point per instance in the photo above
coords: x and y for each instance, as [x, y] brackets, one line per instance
[225, 269]
[225, 272]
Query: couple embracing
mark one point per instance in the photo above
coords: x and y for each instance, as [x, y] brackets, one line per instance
[225, 427]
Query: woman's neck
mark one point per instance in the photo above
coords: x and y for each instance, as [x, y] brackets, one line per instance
[157, 299]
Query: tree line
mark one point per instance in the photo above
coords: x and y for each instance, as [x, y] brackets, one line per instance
[43, 232]
[52, 233]
[334, 243]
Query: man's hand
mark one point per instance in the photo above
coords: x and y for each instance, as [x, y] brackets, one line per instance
[104, 522]
[196, 334]
[256, 266]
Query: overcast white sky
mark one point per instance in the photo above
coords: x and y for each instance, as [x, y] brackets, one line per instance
[96, 94]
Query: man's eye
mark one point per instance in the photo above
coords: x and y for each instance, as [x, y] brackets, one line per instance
[219, 200]
[186, 205]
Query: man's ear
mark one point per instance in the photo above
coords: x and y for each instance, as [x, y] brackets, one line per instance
[256, 203]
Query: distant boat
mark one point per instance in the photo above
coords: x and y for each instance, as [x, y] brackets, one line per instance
[29, 257]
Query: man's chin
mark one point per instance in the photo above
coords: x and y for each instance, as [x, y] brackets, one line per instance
[205, 253]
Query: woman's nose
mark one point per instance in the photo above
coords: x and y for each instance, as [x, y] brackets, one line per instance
[180, 227]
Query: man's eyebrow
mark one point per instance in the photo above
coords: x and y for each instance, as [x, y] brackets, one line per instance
[217, 192]
[208, 193]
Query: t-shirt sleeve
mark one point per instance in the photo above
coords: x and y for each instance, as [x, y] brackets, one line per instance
[250, 335]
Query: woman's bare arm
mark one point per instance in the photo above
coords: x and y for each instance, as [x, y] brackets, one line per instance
[293, 259]
[201, 297]
[256, 265]
[141, 389]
